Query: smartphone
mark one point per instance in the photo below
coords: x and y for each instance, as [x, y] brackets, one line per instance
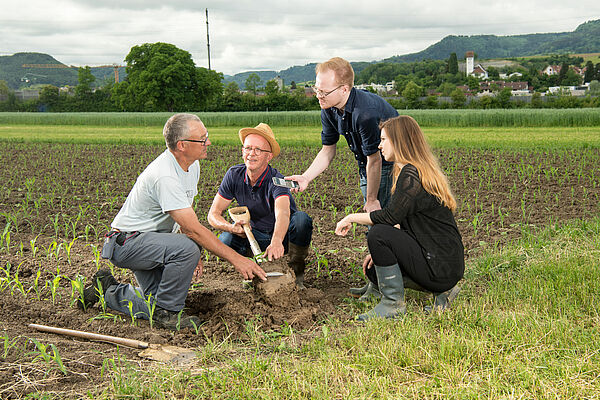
[284, 183]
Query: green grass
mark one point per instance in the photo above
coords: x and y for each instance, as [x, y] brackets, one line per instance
[495, 137]
[426, 118]
[526, 325]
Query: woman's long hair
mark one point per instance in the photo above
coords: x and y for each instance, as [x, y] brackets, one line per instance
[410, 147]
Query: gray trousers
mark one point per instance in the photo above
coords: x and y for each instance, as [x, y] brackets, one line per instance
[163, 265]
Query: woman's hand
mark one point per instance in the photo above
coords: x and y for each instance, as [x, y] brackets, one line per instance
[367, 263]
[343, 227]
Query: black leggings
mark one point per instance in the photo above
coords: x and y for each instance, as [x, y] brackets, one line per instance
[389, 246]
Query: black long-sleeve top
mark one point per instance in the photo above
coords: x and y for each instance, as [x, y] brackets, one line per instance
[432, 225]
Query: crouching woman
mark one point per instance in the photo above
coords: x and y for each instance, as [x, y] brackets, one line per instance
[414, 241]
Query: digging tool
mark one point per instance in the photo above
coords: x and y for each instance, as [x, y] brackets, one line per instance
[156, 352]
[278, 282]
[242, 214]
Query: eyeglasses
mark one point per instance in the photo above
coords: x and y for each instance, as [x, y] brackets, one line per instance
[322, 94]
[203, 141]
[256, 150]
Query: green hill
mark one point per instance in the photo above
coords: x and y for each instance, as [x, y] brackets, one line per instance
[296, 73]
[13, 72]
[585, 39]
[17, 76]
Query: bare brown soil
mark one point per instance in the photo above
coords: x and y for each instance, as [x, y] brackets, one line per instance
[499, 193]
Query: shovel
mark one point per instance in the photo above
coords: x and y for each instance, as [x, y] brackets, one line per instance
[242, 214]
[156, 352]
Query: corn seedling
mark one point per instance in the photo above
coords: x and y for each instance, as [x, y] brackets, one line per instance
[53, 286]
[322, 261]
[43, 354]
[77, 287]
[21, 249]
[36, 285]
[5, 280]
[5, 233]
[68, 247]
[7, 241]
[196, 327]
[34, 248]
[7, 344]
[56, 250]
[17, 284]
[131, 313]
[97, 255]
[150, 305]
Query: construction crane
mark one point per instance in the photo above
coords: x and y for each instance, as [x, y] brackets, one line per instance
[115, 66]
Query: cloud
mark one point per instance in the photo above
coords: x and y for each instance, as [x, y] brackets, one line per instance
[269, 34]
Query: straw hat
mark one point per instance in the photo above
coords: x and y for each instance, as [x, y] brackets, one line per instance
[265, 131]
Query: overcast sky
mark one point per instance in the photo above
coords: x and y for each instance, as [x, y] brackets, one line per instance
[269, 34]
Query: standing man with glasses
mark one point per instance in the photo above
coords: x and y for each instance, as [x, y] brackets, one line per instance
[143, 237]
[354, 114]
[276, 223]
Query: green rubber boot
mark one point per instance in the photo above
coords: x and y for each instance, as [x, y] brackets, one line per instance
[365, 293]
[371, 293]
[358, 292]
[442, 301]
[391, 286]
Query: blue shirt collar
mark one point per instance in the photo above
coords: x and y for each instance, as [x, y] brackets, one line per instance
[260, 180]
[349, 107]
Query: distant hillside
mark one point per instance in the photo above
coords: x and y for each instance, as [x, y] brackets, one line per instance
[585, 39]
[13, 72]
[16, 76]
[296, 73]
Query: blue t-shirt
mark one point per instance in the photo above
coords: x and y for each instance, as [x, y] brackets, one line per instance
[358, 123]
[260, 198]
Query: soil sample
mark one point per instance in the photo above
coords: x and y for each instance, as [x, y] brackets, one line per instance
[279, 291]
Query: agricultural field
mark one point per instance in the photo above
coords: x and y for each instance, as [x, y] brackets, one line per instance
[58, 199]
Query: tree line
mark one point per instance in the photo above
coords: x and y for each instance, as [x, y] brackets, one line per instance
[162, 77]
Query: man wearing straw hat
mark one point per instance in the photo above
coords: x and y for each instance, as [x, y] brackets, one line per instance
[276, 223]
[143, 235]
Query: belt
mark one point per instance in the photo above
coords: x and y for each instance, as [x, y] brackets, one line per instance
[121, 236]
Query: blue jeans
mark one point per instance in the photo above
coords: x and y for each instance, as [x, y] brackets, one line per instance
[384, 186]
[299, 233]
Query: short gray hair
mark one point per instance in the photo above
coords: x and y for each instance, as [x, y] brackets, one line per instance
[177, 128]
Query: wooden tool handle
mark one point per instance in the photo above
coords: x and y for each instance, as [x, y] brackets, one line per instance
[253, 243]
[136, 344]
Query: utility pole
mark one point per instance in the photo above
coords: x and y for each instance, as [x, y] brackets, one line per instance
[207, 39]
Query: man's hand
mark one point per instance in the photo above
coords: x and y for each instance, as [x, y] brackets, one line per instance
[367, 263]
[238, 229]
[249, 269]
[372, 205]
[198, 272]
[274, 251]
[302, 182]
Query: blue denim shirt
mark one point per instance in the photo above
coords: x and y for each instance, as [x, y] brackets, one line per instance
[358, 123]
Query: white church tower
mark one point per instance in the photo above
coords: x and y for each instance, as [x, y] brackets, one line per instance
[469, 60]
